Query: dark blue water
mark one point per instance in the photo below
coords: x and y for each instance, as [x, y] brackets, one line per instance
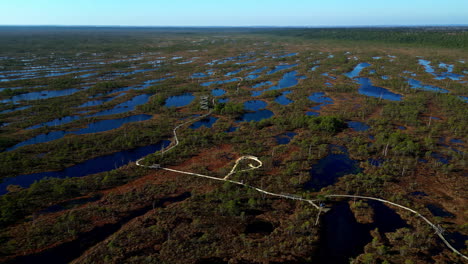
[84, 76]
[310, 113]
[440, 76]
[200, 75]
[283, 100]
[457, 240]
[223, 101]
[220, 82]
[448, 75]
[56, 122]
[99, 102]
[282, 67]
[417, 193]
[15, 109]
[289, 79]
[252, 76]
[258, 85]
[401, 127]
[443, 75]
[125, 107]
[145, 85]
[234, 72]
[438, 211]
[106, 125]
[454, 140]
[384, 77]
[357, 70]
[415, 84]
[92, 166]
[376, 162]
[329, 76]
[255, 116]
[385, 218]
[116, 90]
[255, 105]
[149, 83]
[179, 100]
[218, 62]
[259, 70]
[464, 98]
[42, 138]
[218, 92]
[440, 158]
[206, 122]
[16, 88]
[327, 171]
[368, 89]
[33, 74]
[358, 126]
[285, 138]
[341, 236]
[40, 95]
[100, 126]
[319, 98]
[232, 129]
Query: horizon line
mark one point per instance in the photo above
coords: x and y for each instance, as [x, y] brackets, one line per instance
[251, 26]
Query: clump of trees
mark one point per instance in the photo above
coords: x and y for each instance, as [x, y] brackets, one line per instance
[327, 124]
[396, 143]
[229, 108]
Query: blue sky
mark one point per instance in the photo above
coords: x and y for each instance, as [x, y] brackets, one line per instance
[234, 12]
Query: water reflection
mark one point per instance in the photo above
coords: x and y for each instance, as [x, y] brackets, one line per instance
[368, 89]
[179, 100]
[327, 171]
[92, 166]
[282, 99]
[100, 126]
[415, 84]
[357, 70]
[206, 122]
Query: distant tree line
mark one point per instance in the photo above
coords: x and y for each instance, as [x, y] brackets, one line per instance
[438, 37]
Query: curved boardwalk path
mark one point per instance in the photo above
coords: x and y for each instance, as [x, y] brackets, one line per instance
[438, 230]
[257, 164]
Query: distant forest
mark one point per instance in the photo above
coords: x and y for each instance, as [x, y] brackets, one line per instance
[18, 39]
[446, 37]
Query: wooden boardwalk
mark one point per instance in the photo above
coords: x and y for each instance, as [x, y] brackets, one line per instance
[256, 163]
